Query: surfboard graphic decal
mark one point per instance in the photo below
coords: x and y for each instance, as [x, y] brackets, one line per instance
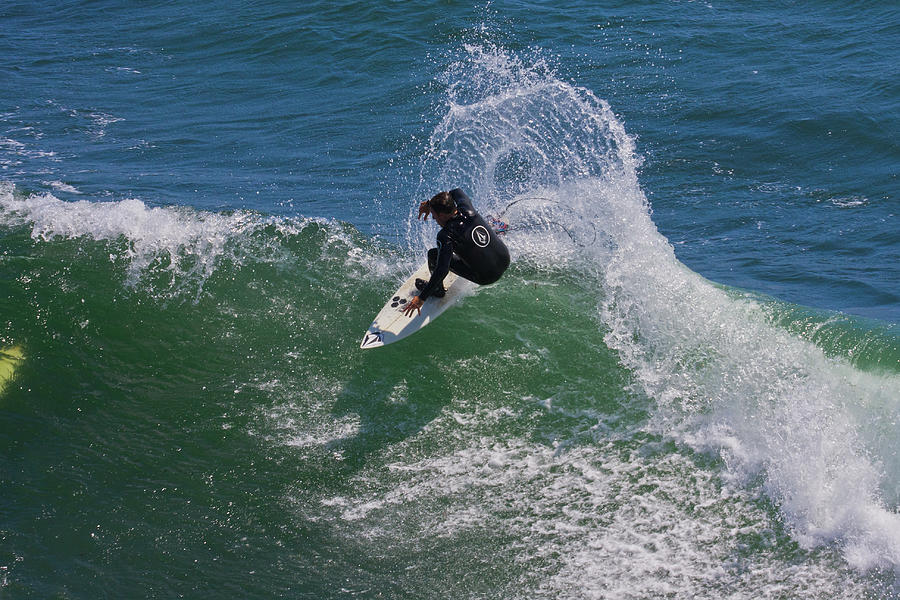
[373, 338]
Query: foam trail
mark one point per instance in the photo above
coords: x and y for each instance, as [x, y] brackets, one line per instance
[820, 433]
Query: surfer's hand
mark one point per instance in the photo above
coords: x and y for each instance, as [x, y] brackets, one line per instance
[414, 305]
[424, 209]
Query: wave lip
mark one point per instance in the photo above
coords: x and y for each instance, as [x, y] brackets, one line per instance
[183, 236]
[174, 251]
[816, 431]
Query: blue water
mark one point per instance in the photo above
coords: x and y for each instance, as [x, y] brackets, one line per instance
[768, 135]
[688, 384]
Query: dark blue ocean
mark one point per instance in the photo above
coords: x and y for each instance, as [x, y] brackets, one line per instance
[687, 385]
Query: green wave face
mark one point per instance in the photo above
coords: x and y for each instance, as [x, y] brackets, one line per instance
[194, 394]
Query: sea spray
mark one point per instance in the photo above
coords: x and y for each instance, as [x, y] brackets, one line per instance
[176, 431]
[723, 378]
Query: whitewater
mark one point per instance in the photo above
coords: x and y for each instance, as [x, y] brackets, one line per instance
[192, 414]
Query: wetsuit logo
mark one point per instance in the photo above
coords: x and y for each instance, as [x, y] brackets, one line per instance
[480, 236]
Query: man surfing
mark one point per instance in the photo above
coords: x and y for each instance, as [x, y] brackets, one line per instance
[466, 245]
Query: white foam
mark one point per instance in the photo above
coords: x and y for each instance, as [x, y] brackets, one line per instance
[771, 404]
[722, 377]
[190, 241]
[596, 522]
[11, 144]
[18, 148]
[184, 244]
[63, 187]
[850, 202]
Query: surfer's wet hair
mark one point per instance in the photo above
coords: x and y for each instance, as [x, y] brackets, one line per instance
[443, 203]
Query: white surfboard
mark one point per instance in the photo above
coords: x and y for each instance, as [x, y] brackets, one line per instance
[391, 324]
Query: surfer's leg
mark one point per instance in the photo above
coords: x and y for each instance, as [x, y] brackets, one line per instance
[486, 268]
[432, 259]
[457, 265]
[432, 262]
[462, 268]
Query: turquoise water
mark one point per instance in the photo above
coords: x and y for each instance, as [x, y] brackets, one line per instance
[687, 385]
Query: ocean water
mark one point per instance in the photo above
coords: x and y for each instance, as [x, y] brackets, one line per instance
[686, 386]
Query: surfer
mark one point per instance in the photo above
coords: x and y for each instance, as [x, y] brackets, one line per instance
[466, 245]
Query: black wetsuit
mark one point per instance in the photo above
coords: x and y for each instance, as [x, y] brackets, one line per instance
[467, 246]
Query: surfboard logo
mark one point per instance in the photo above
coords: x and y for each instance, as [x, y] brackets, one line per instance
[373, 338]
[480, 236]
